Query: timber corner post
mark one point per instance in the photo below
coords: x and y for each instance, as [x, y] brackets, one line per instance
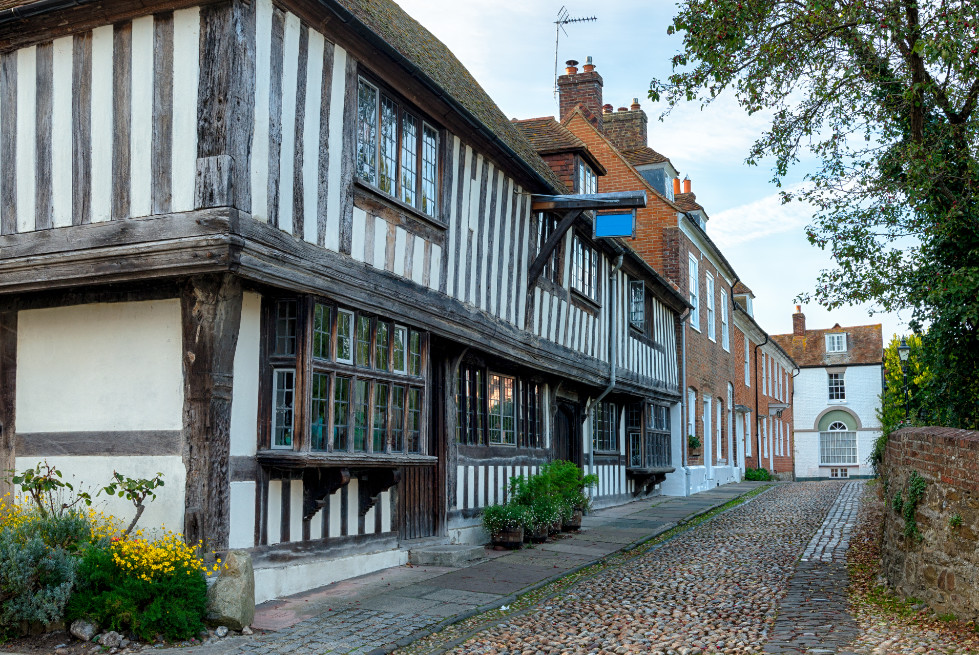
[8, 377]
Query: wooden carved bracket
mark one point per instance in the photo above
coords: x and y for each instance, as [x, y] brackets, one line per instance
[318, 485]
[372, 483]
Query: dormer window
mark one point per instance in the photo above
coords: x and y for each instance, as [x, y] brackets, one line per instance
[836, 343]
[397, 152]
[587, 181]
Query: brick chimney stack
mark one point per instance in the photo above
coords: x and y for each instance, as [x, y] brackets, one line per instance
[799, 322]
[583, 89]
[627, 127]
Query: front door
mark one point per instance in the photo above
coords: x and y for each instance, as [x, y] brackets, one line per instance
[566, 436]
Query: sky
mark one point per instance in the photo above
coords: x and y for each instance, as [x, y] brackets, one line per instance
[509, 49]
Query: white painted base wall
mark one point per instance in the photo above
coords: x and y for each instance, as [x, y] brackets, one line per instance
[90, 473]
[473, 535]
[286, 579]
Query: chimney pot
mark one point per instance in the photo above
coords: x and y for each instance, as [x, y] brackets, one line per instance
[676, 185]
[607, 109]
[635, 104]
[798, 322]
[589, 66]
[623, 109]
[686, 185]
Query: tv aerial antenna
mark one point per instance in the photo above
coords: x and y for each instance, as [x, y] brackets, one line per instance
[564, 18]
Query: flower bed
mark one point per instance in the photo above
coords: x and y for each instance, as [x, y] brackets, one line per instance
[62, 560]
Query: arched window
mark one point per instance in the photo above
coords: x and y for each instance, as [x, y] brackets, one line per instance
[837, 445]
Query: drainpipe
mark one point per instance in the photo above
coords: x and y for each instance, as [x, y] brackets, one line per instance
[757, 413]
[612, 353]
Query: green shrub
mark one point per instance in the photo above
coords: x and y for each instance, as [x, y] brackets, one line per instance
[693, 442]
[36, 578]
[171, 604]
[542, 511]
[502, 518]
[757, 475]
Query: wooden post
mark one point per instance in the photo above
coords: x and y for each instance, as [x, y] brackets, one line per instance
[8, 377]
[211, 316]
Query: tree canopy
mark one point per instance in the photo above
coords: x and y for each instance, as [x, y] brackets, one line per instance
[884, 94]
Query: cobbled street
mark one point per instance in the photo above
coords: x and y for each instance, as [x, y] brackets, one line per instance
[714, 588]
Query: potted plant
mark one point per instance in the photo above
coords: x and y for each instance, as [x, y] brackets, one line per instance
[693, 443]
[505, 523]
[538, 519]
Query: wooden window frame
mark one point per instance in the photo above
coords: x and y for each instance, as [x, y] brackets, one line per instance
[422, 124]
[590, 288]
[304, 367]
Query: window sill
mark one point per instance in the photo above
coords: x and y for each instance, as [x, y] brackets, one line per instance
[387, 199]
[582, 299]
[295, 459]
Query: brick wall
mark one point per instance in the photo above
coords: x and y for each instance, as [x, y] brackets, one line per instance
[563, 165]
[626, 129]
[942, 568]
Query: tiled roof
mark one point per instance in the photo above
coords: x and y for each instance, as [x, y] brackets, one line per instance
[741, 289]
[864, 345]
[546, 135]
[687, 202]
[433, 60]
[643, 156]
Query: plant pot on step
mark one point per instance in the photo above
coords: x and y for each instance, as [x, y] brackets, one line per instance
[555, 527]
[511, 539]
[573, 523]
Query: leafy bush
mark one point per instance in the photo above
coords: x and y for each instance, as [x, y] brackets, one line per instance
[542, 512]
[37, 564]
[693, 442]
[757, 475]
[502, 518]
[143, 587]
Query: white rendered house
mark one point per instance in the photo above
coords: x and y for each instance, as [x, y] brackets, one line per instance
[836, 398]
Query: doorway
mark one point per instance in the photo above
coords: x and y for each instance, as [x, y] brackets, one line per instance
[566, 435]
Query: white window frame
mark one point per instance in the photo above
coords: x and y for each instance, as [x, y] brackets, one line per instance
[718, 430]
[840, 389]
[405, 347]
[848, 454]
[836, 342]
[275, 396]
[764, 373]
[586, 178]
[725, 327]
[747, 361]
[708, 428]
[709, 305]
[584, 273]
[691, 412]
[352, 336]
[693, 268]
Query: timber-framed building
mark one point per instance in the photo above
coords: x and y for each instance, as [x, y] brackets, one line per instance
[291, 255]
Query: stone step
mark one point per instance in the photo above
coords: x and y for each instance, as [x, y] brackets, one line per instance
[445, 555]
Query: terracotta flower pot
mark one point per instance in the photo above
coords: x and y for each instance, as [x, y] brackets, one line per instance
[573, 523]
[555, 527]
[511, 539]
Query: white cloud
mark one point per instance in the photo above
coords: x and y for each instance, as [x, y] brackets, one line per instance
[761, 218]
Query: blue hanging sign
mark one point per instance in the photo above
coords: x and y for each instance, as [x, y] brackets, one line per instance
[615, 225]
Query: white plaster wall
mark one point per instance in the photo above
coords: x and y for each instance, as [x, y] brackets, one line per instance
[244, 395]
[284, 580]
[91, 473]
[807, 455]
[113, 366]
[863, 387]
[242, 532]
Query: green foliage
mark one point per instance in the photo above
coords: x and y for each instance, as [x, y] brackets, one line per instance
[135, 490]
[693, 442]
[955, 521]
[908, 507]
[502, 518]
[758, 475]
[172, 605]
[38, 567]
[884, 95]
[47, 491]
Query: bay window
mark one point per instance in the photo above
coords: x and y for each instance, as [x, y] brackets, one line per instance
[352, 391]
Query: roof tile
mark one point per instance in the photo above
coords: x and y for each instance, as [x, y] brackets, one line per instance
[864, 345]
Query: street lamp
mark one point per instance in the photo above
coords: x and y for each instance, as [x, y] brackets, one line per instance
[904, 351]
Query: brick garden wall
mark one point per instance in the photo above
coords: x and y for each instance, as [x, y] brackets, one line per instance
[942, 568]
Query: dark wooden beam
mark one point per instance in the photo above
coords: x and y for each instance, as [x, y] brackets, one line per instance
[587, 201]
[8, 378]
[211, 314]
[545, 252]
